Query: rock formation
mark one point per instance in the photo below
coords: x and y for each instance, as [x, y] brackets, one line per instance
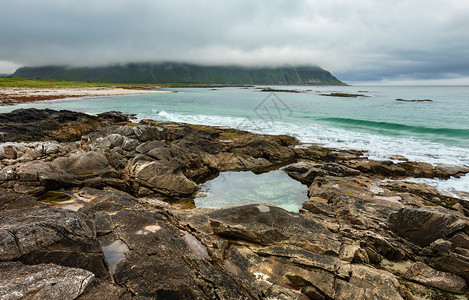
[90, 208]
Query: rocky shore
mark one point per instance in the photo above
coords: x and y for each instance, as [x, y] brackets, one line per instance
[95, 207]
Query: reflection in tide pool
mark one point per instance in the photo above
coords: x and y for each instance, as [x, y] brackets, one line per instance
[114, 253]
[237, 188]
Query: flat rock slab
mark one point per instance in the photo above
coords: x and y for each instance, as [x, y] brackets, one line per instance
[267, 224]
[163, 263]
[51, 235]
[44, 281]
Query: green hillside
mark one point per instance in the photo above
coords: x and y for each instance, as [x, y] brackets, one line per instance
[158, 73]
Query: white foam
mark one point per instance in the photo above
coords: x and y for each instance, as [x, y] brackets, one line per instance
[378, 147]
[449, 187]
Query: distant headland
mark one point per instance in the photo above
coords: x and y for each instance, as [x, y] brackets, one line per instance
[158, 73]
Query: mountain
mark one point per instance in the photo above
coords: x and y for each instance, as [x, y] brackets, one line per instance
[184, 73]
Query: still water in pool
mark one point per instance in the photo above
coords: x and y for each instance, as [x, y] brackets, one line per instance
[237, 188]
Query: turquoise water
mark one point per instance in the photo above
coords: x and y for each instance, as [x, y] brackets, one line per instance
[434, 132]
[236, 188]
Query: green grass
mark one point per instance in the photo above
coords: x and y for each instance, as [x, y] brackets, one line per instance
[38, 83]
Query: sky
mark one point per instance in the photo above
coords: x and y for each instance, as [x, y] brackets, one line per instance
[358, 41]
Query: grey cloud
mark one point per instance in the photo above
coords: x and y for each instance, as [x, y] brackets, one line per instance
[357, 40]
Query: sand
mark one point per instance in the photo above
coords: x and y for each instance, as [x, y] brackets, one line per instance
[21, 95]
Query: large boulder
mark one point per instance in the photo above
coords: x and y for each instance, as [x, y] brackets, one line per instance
[51, 235]
[307, 172]
[444, 234]
[426, 275]
[85, 165]
[165, 262]
[43, 281]
[165, 177]
[79, 169]
[266, 225]
[424, 225]
[271, 148]
[377, 284]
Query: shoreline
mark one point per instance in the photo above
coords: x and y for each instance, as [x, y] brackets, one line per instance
[19, 95]
[15, 95]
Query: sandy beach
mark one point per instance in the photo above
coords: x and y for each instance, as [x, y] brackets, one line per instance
[21, 95]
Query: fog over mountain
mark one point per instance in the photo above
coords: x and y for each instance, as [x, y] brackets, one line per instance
[360, 40]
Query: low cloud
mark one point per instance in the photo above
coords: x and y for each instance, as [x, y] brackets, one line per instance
[358, 40]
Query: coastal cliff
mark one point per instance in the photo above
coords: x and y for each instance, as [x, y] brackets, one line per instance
[99, 207]
[159, 73]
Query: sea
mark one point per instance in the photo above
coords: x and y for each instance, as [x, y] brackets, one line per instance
[434, 131]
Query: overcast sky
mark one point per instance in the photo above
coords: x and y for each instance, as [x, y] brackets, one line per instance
[360, 40]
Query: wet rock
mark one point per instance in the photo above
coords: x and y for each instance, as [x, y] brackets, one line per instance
[115, 116]
[46, 124]
[234, 162]
[162, 263]
[424, 190]
[446, 172]
[352, 200]
[148, 146]
[250, 223]
[406, 169]
[154, 250]
[386, 168]
[306, 173]
[426, 275]
[271, 148]
[43, 281]
[301, 256]
[51, 235]
[13, 153]
[441, 246]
